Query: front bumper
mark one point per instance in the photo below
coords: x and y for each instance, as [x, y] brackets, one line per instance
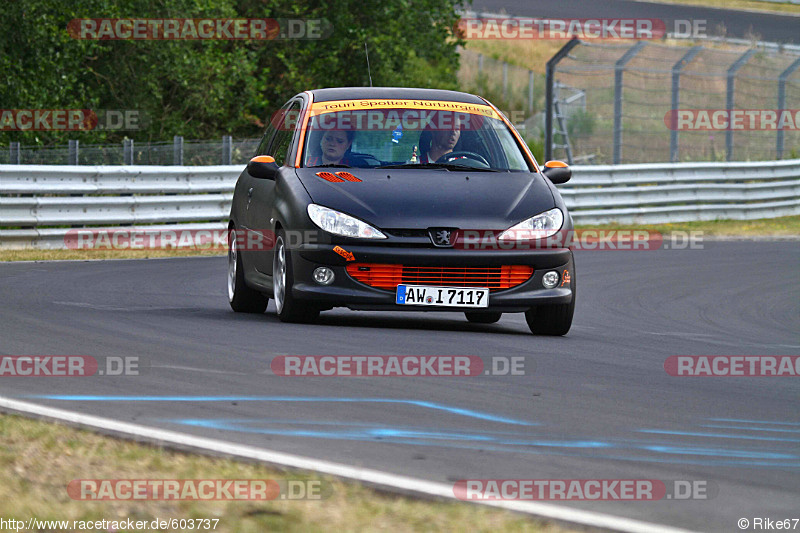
[347, 292]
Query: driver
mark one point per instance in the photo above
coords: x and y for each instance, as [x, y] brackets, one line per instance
[443, 141]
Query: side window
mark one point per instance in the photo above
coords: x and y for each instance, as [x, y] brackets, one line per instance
[279, 148]
[271, 127]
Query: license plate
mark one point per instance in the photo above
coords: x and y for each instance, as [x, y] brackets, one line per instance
[442, 296]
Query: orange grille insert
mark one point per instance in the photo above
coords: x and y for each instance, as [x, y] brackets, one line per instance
[383, 276]
[347, 176]
[329, 176]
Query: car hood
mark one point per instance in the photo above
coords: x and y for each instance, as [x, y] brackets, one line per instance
[418, 198]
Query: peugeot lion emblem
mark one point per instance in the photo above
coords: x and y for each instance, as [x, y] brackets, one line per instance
[441, 237]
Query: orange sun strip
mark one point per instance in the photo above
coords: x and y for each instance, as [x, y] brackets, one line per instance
[320, 108]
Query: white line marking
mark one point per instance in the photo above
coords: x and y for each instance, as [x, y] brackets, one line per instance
[202, 370]
[364, 475]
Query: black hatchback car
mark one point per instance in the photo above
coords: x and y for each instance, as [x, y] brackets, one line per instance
[400, 199]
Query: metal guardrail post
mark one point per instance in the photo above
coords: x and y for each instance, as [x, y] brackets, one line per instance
[530, 92]
[127, 151]
[177, 150]
[549, 95]
[676, 98]
[729, 103]
[227, 149]
[13, 153]
[782, 103]
[619, 69]
[73, 152]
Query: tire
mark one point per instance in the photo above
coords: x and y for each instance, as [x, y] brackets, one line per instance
[476, 317]
[289, 309]
[242, 298]
[552, 319]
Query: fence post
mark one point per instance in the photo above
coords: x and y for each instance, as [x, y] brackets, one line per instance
[530, 92]
[549, 100]
[782, 103]
[127, 151]
[739, 63]
[619, 69]
[676, 99]
[73, 152]
[505, 83]
[177, 150]
[227, 147]
[14, 156]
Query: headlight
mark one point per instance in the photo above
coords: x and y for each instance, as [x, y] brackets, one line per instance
[541, 226]
[341, 224]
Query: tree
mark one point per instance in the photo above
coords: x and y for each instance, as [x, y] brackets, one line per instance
[207, 88]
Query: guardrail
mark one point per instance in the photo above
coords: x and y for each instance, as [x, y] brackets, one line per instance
[683, 192]
[40, 204]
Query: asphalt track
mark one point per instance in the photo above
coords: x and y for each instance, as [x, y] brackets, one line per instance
[773, 27]
[594, 404]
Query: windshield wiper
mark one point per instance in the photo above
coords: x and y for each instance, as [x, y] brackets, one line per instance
[445, 166]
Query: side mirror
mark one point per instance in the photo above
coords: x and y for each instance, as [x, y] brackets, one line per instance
[557, 171]
[263, 167]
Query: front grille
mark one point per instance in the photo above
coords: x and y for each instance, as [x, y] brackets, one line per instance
[389, 277]
[408, 233]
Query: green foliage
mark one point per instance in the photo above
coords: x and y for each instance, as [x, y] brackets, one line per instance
[581, 123]
[204, 89]
[537, 148]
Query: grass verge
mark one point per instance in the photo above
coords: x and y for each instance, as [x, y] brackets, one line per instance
[84, 255]
[764, 227]
[749, 5]
[38, 459]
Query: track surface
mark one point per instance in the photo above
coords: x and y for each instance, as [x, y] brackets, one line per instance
[773, 27]
[594, 404]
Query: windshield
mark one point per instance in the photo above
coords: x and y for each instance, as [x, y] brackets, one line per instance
[410, 134]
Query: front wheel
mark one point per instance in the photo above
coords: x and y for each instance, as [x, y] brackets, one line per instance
[550, 319]
[242, 298]
[289, 309]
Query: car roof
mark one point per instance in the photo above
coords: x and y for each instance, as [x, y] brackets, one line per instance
[380, 93]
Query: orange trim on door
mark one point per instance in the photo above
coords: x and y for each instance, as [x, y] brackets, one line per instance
[306, 115]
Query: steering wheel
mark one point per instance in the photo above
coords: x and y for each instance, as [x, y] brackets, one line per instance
[452, 156]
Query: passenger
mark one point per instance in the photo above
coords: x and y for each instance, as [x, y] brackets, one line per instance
[334, 148]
